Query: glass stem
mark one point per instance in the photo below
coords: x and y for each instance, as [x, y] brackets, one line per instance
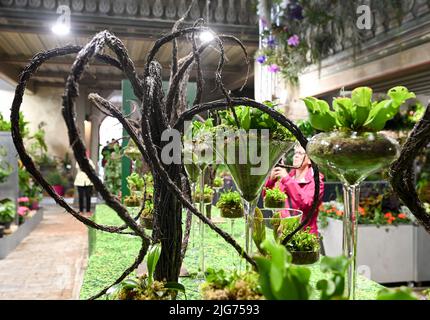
[351, 199]
[201, 224]
[192, 236]
[249, 216]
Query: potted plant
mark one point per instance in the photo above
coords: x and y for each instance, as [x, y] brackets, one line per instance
[304, 247]
[274, 198]
[218, 182]
[230, 205]
[207, 195]
[145, 287]
[147, 217]
[352, 148]
[132, 201]
[7, 212]
[57, 181]
[235, 286]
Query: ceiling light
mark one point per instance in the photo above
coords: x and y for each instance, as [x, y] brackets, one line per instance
[61, 29]
[206, 36]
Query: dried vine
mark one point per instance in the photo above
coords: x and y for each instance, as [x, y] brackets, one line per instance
[402, 171]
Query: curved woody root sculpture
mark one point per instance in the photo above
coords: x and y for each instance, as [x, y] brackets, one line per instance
[158, 113]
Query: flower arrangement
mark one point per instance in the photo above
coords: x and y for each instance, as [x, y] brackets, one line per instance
[378, 217]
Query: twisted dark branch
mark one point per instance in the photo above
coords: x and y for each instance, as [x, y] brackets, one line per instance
[402, 171]
[136, 263]
[279, 117]
[27, 161]
[78, 146]
[159, 169]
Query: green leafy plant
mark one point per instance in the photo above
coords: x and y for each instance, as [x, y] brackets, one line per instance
[274, 198]
[304, 241]
[251, 118]
[230, 204]
[5, 167]
[218, 182]
[56, 179]
[7, 211]
[207, 195]
[220, 285]
[135, 182]
[358, 113]
[146, 288]
[259, 231]
[279, 280]
[402, 293]
[333, 287]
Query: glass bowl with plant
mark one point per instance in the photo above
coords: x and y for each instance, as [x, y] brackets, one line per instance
[220, 285]
[147, 216]
[274, 198]
[253, 143]
[207, 195]
[230, 205]
[146, 287]
[132, 201]
[304, 247]
[218, 183]
[352, 147]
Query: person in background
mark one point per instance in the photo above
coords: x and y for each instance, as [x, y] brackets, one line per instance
[85, 188]
[299, 186]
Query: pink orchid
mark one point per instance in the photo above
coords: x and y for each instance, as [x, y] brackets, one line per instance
[22, 211]
[23, 199]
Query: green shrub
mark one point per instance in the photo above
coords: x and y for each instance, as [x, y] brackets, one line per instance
[7, 211]
[56, 179]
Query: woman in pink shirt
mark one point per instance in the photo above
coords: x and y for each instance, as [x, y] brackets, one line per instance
[299, 186]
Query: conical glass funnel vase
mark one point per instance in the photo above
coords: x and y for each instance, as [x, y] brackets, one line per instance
[250, 158]
[352, 157]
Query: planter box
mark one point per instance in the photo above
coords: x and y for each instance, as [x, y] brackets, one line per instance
[386, 254]
[9, 242]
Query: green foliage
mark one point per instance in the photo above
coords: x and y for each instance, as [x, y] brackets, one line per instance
[357, 113]
[229, 199]
[55, 178]
[112, 173]
[259, 230]
[304, 241]
[306, 128]
[252, 118]
[333, 288]
[220, 285]
[279, 280]
[5, 167]
[402, 293]
[218, 182]
[145, 288]
[135, 182]
[275, 194]
[7, 211]
[208, 194]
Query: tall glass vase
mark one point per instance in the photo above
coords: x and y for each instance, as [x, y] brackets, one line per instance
[352, 156]
[201, 273]
[239, 152]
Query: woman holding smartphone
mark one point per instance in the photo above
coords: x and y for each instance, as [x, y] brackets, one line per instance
[298, 185]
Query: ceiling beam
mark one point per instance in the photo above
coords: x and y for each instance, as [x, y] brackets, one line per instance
[133, 28]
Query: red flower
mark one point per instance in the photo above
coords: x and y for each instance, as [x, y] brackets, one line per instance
[339, 213]
[402, 216]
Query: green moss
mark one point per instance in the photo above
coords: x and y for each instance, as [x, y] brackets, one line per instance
[112, 254]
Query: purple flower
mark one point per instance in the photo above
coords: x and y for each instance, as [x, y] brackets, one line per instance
[271, 42]
[263, 22]
[261, 59]
[295, 11]
[274, 68]
[294, 41]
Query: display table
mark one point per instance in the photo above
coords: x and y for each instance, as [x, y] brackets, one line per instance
[111, 254]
